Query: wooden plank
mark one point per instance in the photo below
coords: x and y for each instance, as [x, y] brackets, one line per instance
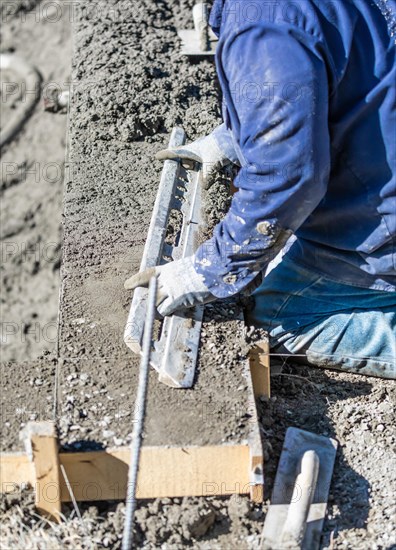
[255, 445]
[163, 472]
[256, 472]
[100, 475]
[259, 360]
[42, 442]
[256, 467]
[16, 470]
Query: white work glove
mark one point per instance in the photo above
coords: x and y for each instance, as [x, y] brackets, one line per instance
[179, 285]
[204, 150]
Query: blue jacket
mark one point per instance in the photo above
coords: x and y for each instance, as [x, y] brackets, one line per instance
[309, 113]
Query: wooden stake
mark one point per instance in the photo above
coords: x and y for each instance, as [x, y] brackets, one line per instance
[259, 360]
[42, 446]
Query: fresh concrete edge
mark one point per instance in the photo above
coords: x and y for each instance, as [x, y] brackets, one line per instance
[210, 470]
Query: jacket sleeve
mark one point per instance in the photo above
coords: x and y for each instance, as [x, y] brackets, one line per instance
[275, 89]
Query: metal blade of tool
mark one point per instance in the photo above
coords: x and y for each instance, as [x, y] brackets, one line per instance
[299, 497]
[175, 353]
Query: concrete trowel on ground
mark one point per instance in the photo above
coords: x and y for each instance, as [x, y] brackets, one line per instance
[201, 41]
[175, 351]
[299, 497]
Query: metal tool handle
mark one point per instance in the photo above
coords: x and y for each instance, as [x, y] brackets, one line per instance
[201, 25]
[304, 490]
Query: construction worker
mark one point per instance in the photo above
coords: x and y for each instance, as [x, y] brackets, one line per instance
[309, 109]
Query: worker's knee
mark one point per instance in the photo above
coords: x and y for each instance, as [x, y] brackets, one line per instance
[358, 341]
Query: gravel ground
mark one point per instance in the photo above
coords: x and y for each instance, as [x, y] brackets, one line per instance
[357, 411]
[140, 88]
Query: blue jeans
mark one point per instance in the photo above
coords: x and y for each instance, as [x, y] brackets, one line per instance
[332, 324]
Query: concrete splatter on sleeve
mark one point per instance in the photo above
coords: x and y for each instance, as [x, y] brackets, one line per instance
[275, 89]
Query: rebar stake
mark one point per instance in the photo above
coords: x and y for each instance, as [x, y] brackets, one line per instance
[140, 409]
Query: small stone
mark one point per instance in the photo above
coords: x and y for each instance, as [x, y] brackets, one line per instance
[380, 428]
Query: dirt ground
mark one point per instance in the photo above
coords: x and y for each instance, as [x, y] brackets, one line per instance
[32, 184]
[357, 411]
[137, 88]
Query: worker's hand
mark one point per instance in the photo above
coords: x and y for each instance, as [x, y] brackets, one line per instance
[179, 285]
[204, 150]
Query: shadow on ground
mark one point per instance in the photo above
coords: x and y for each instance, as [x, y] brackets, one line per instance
[302, 397]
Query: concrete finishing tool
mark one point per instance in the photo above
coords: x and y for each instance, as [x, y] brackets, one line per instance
[299, 498]
[174, 354]
[201, 40]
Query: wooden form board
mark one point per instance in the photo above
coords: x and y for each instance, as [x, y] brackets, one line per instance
[16, 470]
[164, 471]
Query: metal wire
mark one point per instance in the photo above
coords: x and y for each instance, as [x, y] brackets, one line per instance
[127, 538]
[71, 493]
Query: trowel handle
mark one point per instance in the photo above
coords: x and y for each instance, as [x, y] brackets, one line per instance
[201, 25]
[304, 490]
[200, 15]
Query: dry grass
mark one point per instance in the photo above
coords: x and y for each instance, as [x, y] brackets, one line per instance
[43, 535]
[22, 528]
